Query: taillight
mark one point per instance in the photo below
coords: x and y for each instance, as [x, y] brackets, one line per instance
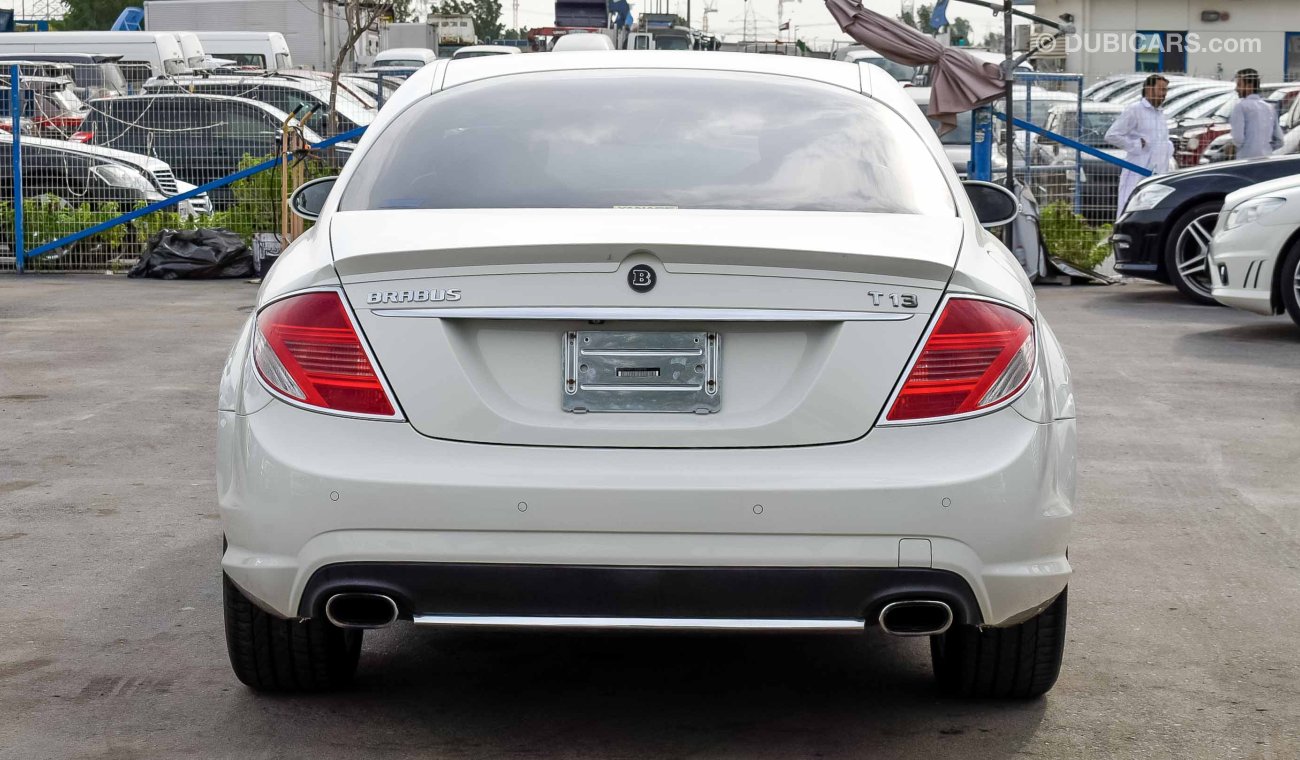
[81, 136]
[306, 348]
[978, 355]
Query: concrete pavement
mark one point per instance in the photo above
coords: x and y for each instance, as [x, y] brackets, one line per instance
[1183, 610]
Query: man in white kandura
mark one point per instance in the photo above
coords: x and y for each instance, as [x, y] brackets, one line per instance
[1143, 134]
[1255, 128]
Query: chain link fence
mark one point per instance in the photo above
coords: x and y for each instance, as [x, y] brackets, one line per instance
[1065, 164]
[92, 150]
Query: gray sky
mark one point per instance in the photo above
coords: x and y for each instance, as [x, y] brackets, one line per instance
[813, 21]
[811, 17]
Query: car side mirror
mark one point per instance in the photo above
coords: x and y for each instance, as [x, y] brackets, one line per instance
[994, 204]
[308, 200]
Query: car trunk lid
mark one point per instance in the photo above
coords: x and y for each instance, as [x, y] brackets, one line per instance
[532, 327]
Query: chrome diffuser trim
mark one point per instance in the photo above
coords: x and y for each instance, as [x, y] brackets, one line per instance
[641, 623]
[646, 314]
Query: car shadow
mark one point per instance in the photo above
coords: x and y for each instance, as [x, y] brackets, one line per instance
[1242, 344]
[644, 695]
[1130, 297]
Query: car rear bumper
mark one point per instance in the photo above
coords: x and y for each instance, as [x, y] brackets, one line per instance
[986, 500]
[467, 594]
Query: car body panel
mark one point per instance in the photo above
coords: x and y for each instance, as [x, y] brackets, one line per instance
[1245, 259]
[1140, 236]
[498, 381]
[406, 498]
[992, 495]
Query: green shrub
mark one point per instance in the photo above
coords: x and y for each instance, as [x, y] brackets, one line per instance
[47, 218]
[1070, 237]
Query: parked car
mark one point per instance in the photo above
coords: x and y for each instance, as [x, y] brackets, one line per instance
[1290, 116]
[1179, 94]
[1097, 180]
[901, 72]
[924, 72]
[204, 137]
[283, 92]
[346, 82]
[957, 143]
[1193, 102]
[369, 85]
[69, 174]
[1165, 231]
[479, 51]
[649, 481]
[1255, 254]
[94, 76]
[262, 50]
[402, 60]
[143, 54]
[1283, 99]
[1128, 88]
[49, 104]
[70, 171]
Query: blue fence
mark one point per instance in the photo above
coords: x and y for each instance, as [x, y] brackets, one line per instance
[89, 200]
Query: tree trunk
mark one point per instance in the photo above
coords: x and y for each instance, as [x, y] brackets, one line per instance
[358, 22]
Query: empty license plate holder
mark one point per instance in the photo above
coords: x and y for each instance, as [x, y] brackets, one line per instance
[625, 371]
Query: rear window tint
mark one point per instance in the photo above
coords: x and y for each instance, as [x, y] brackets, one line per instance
[707, 140]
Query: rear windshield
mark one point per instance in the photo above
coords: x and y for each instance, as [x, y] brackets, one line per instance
[665, 139]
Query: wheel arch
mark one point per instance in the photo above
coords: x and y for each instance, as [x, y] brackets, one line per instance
[1175, 216]
[1275, 289]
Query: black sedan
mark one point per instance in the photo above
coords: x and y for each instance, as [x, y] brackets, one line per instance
[1164, 233]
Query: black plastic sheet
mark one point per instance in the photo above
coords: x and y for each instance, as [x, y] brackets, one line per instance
[195, 255]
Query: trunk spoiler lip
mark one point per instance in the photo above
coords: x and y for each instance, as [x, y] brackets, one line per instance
[907, 249]
[645, 314]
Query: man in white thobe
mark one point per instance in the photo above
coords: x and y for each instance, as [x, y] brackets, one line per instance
[1142, 131]
[1255, 128]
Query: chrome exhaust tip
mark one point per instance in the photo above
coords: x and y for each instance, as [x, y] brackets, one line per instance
[361, 610]
[916, 617]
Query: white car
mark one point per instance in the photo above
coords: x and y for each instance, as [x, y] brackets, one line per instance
[575, 41]
[479, 51]
[648, 340]
[403, 58]
[1254, 261]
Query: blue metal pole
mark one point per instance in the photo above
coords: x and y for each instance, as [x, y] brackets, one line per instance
[981, 145]
[1076, 145]
[380, 98]
[1078, 157]
[16, 152]
[266, 165]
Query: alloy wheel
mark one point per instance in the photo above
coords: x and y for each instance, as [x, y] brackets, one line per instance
[1192, 253]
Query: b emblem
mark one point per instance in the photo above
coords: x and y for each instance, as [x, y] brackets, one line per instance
[641, 278]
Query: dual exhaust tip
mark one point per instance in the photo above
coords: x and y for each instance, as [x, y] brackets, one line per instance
[361, 610]
[916, 617]
[910, 617]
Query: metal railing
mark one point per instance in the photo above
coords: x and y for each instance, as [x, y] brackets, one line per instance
[91, 198]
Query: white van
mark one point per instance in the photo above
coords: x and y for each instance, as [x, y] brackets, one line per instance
[192, 48]
[144, 54]
[265, 50]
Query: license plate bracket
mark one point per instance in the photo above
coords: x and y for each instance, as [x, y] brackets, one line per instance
[641, 371]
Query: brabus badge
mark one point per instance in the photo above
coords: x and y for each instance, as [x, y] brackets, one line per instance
[414, 296]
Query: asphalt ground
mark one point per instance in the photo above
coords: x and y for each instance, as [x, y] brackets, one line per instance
[1184, 607]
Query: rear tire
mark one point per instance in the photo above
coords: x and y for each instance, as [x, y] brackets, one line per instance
[1187, 252]
[1018, 662]
[273, 654]
[1290, 283]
